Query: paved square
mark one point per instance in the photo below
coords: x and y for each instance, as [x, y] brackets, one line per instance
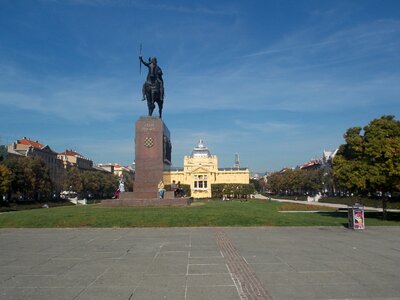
[200, 263]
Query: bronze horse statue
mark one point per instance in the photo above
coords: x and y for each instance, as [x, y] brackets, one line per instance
[153, 96]
[153, 88]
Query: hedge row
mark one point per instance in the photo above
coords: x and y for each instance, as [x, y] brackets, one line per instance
[232, 190]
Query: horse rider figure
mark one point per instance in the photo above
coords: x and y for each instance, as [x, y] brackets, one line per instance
[154, 77]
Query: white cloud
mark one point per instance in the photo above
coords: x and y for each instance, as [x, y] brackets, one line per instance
[72, 98]
[306, 71]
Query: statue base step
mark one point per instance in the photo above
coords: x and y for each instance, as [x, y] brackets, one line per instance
[144, 194]
[146, 202]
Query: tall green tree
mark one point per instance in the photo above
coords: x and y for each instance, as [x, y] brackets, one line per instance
[291, 182]
[90, 183]
[256, 183]
[98, 184]
[369, 161]
[275, 182]
[40, 177]
[5, 180]
[129, 180]
[73, 180]
[311, 180]
[30, 177]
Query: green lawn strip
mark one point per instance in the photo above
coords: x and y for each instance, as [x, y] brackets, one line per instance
[393, 203]
[12, 206]
[366, 201]
[303, 207]
[212, 213]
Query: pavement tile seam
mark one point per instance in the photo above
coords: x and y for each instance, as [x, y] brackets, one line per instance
[145, 274]
[188, 261]
[266, 263]
[201, 274]
[250, 285]
[214, 256]
[204, 264]
[95, 280]
[216, 285]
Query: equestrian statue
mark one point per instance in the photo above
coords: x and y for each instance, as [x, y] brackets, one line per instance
[153, 88]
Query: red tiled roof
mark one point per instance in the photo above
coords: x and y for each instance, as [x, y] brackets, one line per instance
[310, 163]
[34, 144]
[70, 153]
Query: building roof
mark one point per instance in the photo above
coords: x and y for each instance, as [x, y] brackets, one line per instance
[233, 169]
[113, 167]
[70, 153]
[28, 142]
[200, 150]
[118, 167]
[311, 163]
[35, 144]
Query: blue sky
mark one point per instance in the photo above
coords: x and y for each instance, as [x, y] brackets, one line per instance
[275, 81]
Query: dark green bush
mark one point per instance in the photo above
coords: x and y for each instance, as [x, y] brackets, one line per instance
[232, 190]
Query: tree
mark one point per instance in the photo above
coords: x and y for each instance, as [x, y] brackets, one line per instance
[129, 178]
[30, 177]
[291, 182]
[275, 182]
[98, 184]
[256, 183]
[311, 180]
[370, 159]
[40, 177]
[5, 180]
[108, 184]
[90, 183]
[73, 181]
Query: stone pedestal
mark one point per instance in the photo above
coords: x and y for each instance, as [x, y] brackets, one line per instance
[152, 156]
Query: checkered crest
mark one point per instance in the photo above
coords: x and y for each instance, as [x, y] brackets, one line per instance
[148, 142]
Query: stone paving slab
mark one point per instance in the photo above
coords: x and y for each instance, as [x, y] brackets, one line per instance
[193, 263]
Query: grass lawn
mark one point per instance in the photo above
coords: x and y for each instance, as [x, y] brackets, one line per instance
[12, 206]
[393, 203]
[212, 213]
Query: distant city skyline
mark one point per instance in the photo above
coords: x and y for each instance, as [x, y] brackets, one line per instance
[277, 82]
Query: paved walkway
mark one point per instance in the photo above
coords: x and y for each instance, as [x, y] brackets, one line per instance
[200, 263]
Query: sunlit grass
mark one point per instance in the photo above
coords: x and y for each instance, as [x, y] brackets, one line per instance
[212, 213]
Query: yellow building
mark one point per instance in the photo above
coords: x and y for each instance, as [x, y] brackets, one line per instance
[71, 158]
[200, 171]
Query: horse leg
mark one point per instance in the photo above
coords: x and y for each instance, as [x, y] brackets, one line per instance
[151, 108]
[153, 104]
[150, 104]
[160, 107]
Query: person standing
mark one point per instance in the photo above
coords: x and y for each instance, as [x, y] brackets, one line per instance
[173, 187]
[161, 189]
[179, 191]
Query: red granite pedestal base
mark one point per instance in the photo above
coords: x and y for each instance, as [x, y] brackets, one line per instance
[151, 136]
[152, 158]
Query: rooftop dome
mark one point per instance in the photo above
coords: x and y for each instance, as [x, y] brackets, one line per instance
[201, 150]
